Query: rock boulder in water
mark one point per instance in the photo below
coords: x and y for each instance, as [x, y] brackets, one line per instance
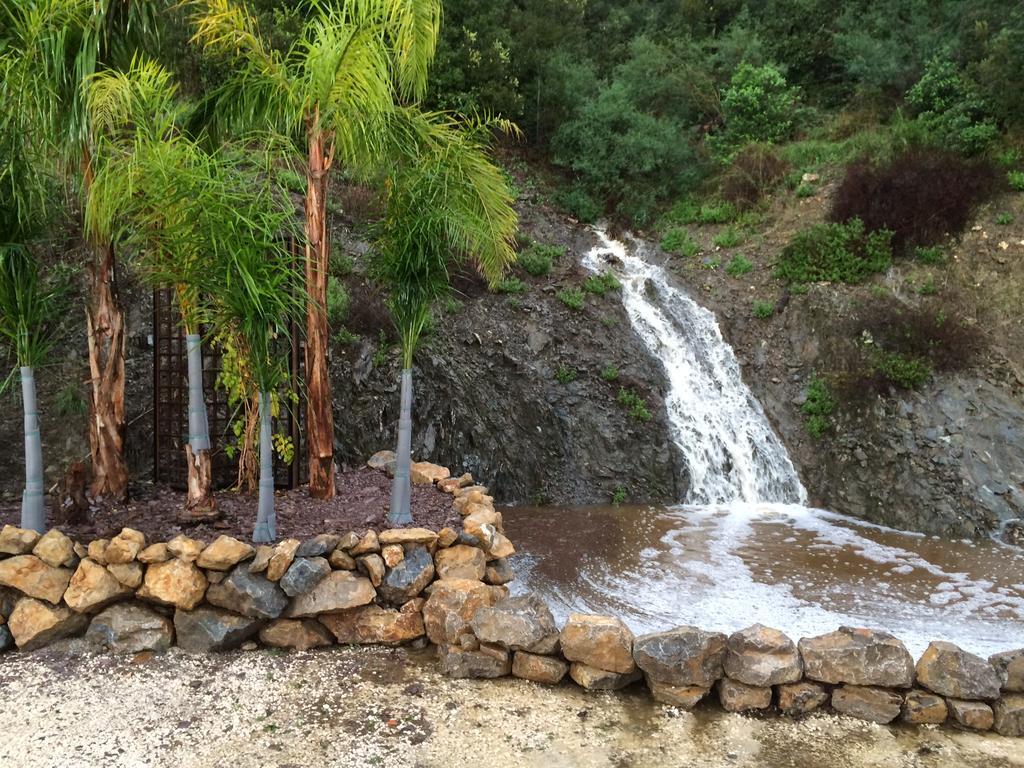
[682, 657]
[761, 656]
[857, 657]
[947, 669]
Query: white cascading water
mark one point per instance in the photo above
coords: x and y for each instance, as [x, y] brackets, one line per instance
[731, 451]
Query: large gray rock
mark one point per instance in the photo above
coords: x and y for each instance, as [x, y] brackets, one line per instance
[6, 638]
[212, 629]
[1009, 715]
[249, 594]
[131, 628]
[410, 577]
[761, 656]
[521, 623]
[686, 656]
[318, 546]
[1009, 665]
[858, 657]
[867, 703]
[800, 698]
[303, 574]
[459, 663]
[947, 669]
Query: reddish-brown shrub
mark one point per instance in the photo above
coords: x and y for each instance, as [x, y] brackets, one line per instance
[754, 173]
[921, 196]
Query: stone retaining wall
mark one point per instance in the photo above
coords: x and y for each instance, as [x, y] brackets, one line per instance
[417, 586]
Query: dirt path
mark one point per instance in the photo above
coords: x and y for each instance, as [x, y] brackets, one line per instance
[372, 707]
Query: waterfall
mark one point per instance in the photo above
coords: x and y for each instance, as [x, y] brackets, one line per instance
[730, 449]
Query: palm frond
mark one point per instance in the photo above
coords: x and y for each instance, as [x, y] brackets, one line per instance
[416, 26]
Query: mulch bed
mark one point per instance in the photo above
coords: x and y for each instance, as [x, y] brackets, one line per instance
[361, 503]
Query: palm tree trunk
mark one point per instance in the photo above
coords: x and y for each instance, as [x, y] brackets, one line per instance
[33, 514]
[200, 504]
[319, 414]
[401, 486]
[266, 519]
[106, 336]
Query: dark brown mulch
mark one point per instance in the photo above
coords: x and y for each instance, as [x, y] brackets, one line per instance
[361, 503]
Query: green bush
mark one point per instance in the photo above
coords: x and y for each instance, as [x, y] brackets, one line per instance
[538, 258]
[729, 237]
[1004, 218]
[805, 190]
[929, 255]
[579, 203]
[635, 404]
[1016, 180]
[565, 375]
[293, 181]
[610, 372]
[341, 264]
[758, 105]
[337, 302]
[948, 104]
[818, 407]
[691, 211]
[678, 240]
[510, 285]
[601, 284]
[835, 253]
[904, 371]
[739, 266]
[763, 309]
[619, 495]
[571, 297]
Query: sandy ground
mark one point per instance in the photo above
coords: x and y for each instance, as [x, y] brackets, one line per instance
[377, 707]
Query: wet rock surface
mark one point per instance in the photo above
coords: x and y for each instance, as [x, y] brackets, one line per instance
[860, 657]
[951, 671]
[681, 657]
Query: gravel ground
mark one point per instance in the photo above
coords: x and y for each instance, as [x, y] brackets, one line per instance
[376, 707]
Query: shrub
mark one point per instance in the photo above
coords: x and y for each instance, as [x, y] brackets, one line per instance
[729, 237]
[905, 372]
[1004, 218]
[601, 284]
[635, 404]
[610, 372]
[579, 203]
[678, 240]
[834, 253]
[920, 196]
[805, 190]
[619, 495]
[739, 266]
[818, 407]
[690, 211]
[951, 109]
[763, 309]
[538, 258]
[341, 264]
[337, 303]
[931, 255]
[510, 285]
[757, 106]
[752, 175]
[1016, 180]
[565, 375]
[571, 297]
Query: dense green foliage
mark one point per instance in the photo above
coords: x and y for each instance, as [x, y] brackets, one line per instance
[835, 253]
[818, 407]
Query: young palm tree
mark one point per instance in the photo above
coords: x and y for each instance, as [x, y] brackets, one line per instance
[252, 290]
[55, 47]
[177, 206]
[329, 96]
[28, 310]
[446, 203]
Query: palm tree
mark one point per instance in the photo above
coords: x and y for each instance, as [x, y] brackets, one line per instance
[180, 208]
[329, 96]
[253, 293]
[57, 45]
[446, 203]
[28, 311]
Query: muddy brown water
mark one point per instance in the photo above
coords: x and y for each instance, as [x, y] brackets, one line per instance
[802, 570]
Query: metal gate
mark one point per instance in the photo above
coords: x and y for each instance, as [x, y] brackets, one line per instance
[170, 403]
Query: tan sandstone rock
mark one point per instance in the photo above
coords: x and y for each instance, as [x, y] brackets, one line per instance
[338, 591]
[452, 605]
[174, 582]
[129, 574]
[923, 707]
[761, 656]
[372, 624]
[31, 576]
[800, 698]
[540, 669]
[406, 537]
[341, 560]
[682, 696]
[224, 554]
[373, 567]
[368, 545]
[1009, 665]
[739, 697]
[392, 554]
[299, 634]
[594, 679]
[955, 673]
[877, 705]
[460, 562]
[972, 715]
[860, 657]
[425, 473]
[55, 549]
[93, 588]
[281, 560]
[184, 548]
[261, 560]
[34, 624]
[124, 547]
[17, 541]
[603, 642]
[1009, 715]
[446, 537]
[97, 551]
[154, 553]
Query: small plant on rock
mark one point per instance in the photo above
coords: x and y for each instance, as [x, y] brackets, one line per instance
[601, 284]
[565, 375]
[610, 372]
[739, 266]
[1004, 219]
[635, 404]
[763, 309]
[932, 255]
[571, 297]
[728, 238]
[1016, 180]
[618, 495]
[677, 240]
[538, 258]
[818, 407]
[510, 285]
